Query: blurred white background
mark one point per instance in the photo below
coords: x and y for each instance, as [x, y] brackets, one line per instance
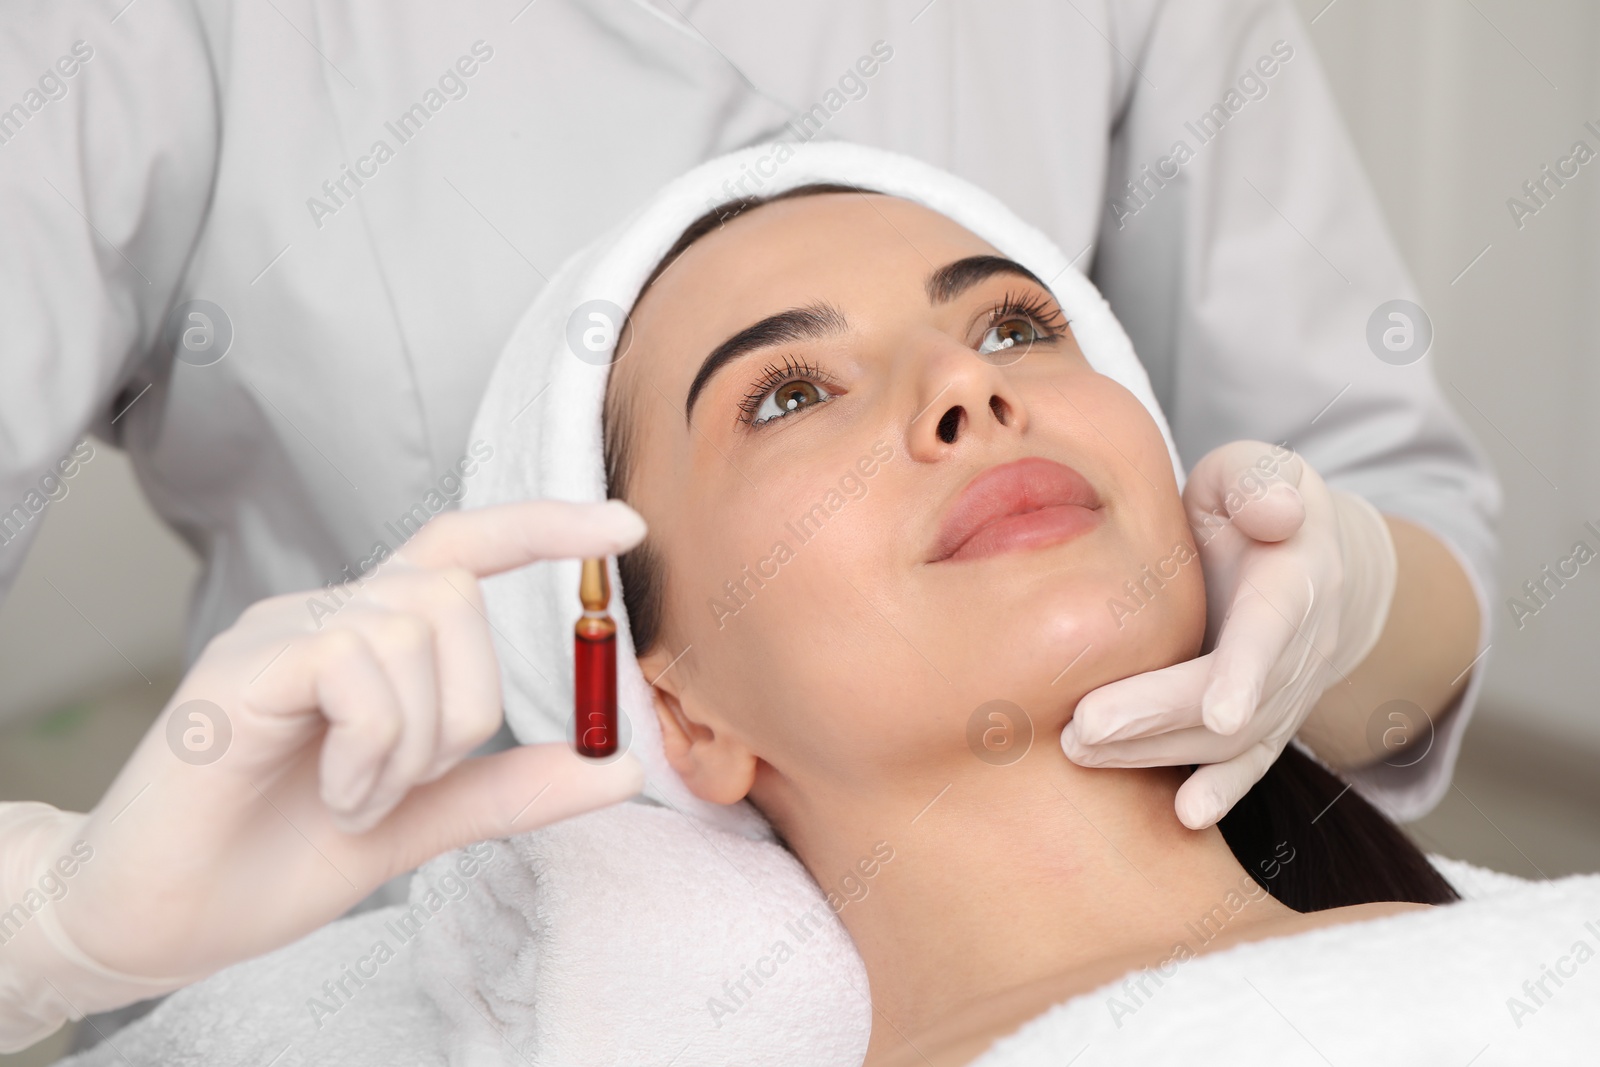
[1453, 104]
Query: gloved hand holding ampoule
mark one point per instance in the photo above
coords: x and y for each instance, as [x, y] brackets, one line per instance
[344, 768]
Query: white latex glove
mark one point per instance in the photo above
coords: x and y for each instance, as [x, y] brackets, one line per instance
[1299, 579]
[344, 768]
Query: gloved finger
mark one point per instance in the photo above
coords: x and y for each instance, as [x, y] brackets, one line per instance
[1250, 484]
[506, 536]
[1145, 704]
[1263, 621]
[467, 669]
[507, 793]
[335, 674]
[1174, 749]
[403, 644]
[1277, 515]
[1212, 790]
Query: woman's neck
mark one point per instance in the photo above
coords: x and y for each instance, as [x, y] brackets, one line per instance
[1005, 876]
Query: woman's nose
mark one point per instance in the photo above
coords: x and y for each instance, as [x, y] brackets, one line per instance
[967, 402]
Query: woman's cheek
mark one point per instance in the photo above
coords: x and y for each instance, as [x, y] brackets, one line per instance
[1157, 611]
[1129, 426]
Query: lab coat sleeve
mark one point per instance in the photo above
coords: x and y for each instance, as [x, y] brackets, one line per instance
[1243, 248]
[108, 139]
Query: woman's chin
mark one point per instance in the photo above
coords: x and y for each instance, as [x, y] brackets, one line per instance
[1047, 670]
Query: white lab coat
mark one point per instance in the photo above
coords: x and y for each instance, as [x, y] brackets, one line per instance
[186, 159]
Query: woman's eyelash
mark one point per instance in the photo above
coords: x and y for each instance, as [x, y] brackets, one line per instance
[1034, 306]
[775, 375]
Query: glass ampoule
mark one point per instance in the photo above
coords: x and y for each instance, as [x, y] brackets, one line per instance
[594, 650]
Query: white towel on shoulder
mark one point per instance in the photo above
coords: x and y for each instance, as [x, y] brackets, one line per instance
[1444, 986]
[633, 936]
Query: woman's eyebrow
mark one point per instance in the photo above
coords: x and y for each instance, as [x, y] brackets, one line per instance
[953, 279]
[810, 323]
[816, 321]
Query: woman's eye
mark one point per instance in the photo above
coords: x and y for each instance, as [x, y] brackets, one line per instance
[1014, 332]
[789, 398]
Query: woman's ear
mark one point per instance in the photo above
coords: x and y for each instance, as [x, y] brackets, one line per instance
[714, 765]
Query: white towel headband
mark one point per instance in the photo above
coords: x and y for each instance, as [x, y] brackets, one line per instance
[541, 412]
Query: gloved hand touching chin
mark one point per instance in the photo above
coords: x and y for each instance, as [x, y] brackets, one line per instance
[1299, 579]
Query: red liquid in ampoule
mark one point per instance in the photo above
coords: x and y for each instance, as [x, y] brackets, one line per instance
[595, 704]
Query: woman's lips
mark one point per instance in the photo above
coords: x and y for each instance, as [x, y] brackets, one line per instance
[1028, 503]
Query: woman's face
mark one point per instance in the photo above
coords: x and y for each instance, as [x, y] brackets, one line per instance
[874, 515]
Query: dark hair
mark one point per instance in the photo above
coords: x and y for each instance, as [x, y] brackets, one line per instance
[1345, 850]
[1342, 849]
